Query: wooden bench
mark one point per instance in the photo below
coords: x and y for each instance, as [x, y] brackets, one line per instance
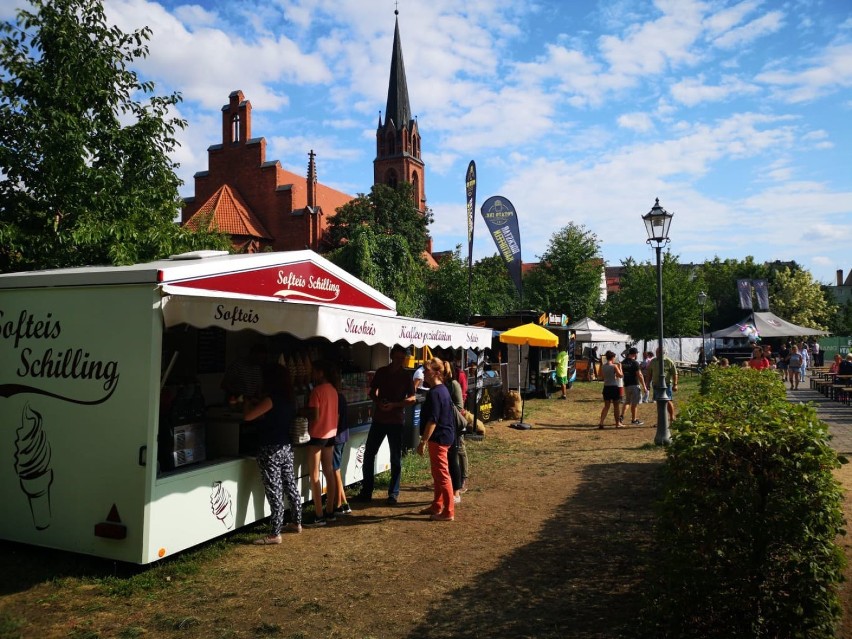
[839, 386]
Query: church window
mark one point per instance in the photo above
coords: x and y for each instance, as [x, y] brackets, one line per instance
[415, 190]
[235, 128]
[391, 179]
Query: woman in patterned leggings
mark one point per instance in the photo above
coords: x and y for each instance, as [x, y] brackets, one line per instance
[273, 413]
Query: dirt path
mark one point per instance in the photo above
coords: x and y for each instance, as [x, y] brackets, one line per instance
[553, 540]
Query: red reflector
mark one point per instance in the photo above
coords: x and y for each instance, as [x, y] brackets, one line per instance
[111, 530]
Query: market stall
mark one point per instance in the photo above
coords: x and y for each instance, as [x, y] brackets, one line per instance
[120, 439]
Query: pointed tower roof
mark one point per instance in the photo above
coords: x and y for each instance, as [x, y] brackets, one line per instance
[225, 211]
[398, 108]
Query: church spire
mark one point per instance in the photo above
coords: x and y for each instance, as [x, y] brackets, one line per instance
[398, 108]
[398, 156]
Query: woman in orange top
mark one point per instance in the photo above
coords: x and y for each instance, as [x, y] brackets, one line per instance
[835, 367]
[322, 427]
[758, 361]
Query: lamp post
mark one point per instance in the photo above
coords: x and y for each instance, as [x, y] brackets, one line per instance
[657, 222]
[702, 299]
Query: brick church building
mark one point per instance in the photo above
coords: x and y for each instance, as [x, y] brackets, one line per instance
[263, 206]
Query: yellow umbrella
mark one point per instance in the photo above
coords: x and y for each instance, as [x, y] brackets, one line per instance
[531, 335]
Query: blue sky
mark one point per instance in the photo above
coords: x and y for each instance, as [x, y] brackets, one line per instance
[734, 113]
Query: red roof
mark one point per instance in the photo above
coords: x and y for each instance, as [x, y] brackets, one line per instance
[227, 212]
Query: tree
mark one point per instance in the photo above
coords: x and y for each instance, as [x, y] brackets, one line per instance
[386, 263]
[388, 210]
[446, 290]
[841, 323]
[568, 277]
[493, 291]
[85, 174]
[795, 296]
[720, 278]
[633, 309]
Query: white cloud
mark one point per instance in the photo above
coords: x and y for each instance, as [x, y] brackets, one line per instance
[726, 19]
[741, 36]
[640, 122]
[830, 71]
[693, 91]
[195, 16]
[200, 62]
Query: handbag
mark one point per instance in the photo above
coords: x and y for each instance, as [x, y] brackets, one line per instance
[461, 420]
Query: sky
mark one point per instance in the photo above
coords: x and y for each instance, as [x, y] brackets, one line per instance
[735, 114]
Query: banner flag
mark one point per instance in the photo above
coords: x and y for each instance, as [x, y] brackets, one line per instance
[744, 290]
[502, 221]
[761, 290]
[470, 188]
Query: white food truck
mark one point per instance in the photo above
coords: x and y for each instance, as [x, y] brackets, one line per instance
[117, 439]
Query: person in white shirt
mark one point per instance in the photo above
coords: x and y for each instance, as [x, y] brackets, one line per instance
[420, 385]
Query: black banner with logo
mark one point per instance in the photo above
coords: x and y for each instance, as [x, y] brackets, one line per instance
[744, 292]
[502, 221]
[470, 190]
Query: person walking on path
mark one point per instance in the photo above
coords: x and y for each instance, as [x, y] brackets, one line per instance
[634, 385]
[805, 352]
[794, 367]
[613, 388]
[391, 391]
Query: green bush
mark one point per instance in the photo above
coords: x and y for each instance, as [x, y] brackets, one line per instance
[749, 516]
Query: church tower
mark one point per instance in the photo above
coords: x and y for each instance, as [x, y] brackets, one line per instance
[398, 138]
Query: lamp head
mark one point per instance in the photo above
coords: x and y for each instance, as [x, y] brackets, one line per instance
[702, 298]
[657, 222]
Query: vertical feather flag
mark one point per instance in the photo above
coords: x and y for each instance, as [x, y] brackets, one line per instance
[502, 221]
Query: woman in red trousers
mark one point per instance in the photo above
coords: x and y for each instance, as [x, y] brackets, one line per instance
[438, 435]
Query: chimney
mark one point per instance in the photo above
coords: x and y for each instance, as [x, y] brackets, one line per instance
[840, 277]
[312, 180]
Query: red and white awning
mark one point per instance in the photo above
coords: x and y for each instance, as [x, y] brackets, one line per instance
[269, 316]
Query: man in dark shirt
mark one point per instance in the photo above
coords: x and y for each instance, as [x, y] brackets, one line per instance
[634, 385]
[845, 367]
[391, 391]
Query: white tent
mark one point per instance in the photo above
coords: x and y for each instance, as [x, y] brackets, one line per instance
[588, 330]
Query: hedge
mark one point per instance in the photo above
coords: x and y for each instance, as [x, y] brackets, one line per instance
[749, 516]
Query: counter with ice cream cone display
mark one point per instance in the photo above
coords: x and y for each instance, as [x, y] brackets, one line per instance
[120, 441]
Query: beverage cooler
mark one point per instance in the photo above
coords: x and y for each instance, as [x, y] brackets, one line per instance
[119, 441]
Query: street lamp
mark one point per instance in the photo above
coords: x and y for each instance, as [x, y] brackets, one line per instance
[702, 299]
[657, 222]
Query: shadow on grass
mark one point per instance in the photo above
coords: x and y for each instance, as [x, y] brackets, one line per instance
[582, 577]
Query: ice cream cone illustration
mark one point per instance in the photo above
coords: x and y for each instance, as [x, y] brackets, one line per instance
[32, 463]
[220, 504]
[359, 456]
